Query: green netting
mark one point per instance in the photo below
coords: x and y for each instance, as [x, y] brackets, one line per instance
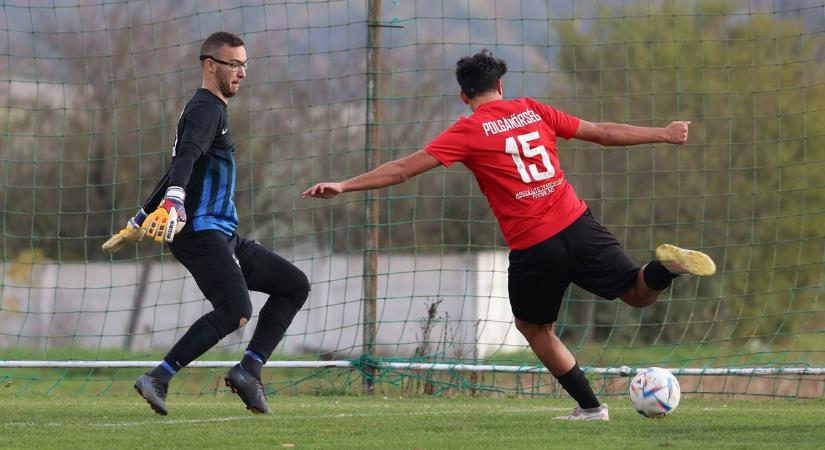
[91, 94]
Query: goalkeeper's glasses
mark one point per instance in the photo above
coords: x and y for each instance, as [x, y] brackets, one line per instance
[233, 66]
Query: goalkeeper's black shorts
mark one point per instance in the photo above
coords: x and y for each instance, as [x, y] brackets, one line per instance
[584, 253]
[226, 268]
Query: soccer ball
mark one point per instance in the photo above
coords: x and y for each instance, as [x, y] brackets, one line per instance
[654, 392]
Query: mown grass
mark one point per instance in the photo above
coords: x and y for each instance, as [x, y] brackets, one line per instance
[381, 422]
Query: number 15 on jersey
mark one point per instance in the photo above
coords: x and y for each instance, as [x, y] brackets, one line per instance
[529, 172]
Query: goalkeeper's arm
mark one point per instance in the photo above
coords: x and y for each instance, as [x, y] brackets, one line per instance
[170, 216]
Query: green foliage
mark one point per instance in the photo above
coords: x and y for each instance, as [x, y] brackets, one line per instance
[747, 188]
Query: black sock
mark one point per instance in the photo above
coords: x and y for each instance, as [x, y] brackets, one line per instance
[576, 384]
[252, 362]
[199, 338]
[163, 372]
[657, 276]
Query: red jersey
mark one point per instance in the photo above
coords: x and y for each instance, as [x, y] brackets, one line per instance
[510, 146]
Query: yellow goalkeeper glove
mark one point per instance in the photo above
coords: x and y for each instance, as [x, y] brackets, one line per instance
[131, 233]
[170, 217]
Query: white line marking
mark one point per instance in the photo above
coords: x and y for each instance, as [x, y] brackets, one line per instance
[171, 422]
[289, 415]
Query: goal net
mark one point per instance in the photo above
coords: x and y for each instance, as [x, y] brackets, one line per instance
[90, 94]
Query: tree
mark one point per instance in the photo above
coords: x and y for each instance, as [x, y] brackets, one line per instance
[84, 148]
[747, 188]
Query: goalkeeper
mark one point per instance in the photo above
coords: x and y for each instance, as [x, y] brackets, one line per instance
[192, 209]
[510, 146]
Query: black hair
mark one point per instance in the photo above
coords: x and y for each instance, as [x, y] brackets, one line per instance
[218, 40]
[479, 73]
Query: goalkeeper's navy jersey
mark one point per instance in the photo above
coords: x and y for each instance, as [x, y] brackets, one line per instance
[203, 132]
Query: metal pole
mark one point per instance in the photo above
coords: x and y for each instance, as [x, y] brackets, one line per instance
[613, 371]
[373, 138]
[137, 304]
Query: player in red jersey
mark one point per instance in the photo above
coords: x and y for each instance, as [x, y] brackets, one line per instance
[510, 147]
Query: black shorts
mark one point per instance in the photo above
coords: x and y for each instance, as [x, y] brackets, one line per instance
[226, 268]
[584, 253]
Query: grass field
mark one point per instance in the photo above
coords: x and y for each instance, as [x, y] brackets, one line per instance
[303, 422]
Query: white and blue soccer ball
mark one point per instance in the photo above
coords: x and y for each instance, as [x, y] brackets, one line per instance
[654, 392]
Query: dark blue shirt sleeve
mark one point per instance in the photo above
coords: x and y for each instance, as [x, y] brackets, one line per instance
[197, 132]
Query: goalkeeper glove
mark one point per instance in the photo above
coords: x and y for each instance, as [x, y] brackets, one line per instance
[169, 218]
[131, 233]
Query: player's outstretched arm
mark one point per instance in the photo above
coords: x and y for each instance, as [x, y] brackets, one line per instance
[621, 134]
[388, 174]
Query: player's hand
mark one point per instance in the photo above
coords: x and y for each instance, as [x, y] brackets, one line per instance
[131, 233]
[170, 217]
[677, 132]
[324, 190]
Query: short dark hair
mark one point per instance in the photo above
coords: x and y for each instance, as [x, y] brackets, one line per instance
[479, 73]
[218, 40]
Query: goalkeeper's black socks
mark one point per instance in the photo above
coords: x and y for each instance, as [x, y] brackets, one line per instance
[164, 372]
[657, 276]
[252, 362]
[576, 384]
